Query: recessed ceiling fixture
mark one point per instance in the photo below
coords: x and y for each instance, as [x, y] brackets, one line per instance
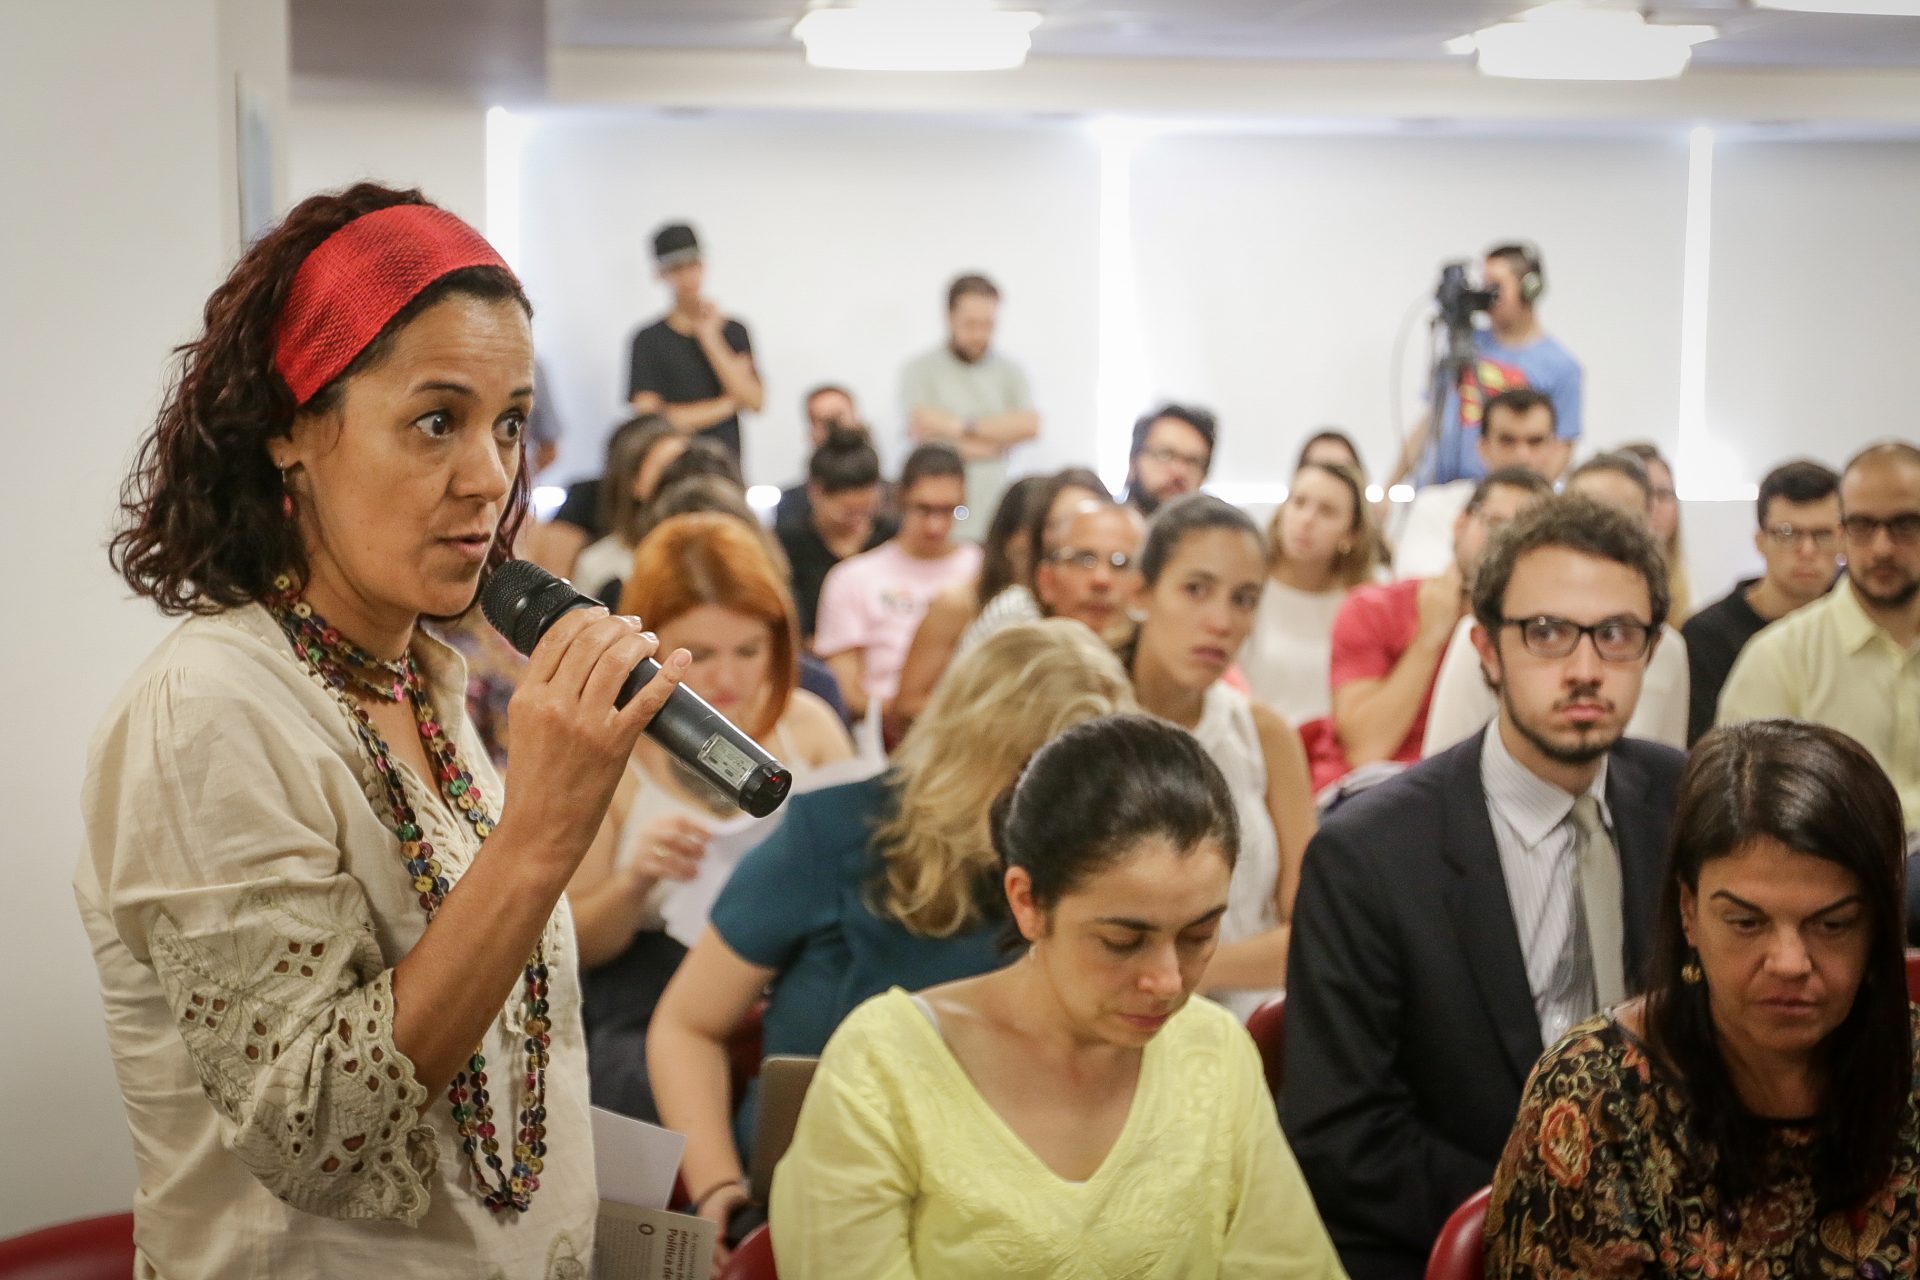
[917, 35]
[1569, 40]
[1885, 8]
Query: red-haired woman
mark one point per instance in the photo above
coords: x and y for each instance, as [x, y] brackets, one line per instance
[706, 584]
[311, 910]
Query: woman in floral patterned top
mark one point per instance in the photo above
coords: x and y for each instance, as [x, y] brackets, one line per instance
[1754, 1114]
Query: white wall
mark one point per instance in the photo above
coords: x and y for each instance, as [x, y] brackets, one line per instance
[1274, 275]
[124, 218]
[440, 147]
[834, 238]
[1815, 269]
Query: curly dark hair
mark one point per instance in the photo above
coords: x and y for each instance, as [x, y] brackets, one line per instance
[203, 529]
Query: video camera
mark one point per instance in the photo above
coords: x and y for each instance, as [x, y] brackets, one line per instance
[1456, 299]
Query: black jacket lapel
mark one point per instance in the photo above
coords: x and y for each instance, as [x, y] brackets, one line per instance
[1481, 912]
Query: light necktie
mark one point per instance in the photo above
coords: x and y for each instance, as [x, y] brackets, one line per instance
[1598, 884]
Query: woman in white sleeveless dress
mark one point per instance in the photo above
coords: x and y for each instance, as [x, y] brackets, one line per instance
[1321, 544]
[1201, 574]
[706, 581]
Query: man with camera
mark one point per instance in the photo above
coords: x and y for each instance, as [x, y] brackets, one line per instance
[1511, 351]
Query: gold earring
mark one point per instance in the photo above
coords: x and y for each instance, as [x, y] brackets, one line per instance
[1690, 971]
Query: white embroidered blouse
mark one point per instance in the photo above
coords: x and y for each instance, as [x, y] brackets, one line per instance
[247, 902]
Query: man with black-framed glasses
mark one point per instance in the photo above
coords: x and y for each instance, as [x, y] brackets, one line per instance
[1799, 543]
[1171, 453]
[1851, 660]
[1457, 919]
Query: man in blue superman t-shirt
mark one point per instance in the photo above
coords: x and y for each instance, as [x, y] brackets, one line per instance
[1513, 351]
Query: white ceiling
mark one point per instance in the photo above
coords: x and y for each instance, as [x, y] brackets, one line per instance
[1299, 30]
[502, 50]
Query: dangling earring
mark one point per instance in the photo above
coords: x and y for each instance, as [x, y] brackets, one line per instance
[286, 491]
[1690, 971]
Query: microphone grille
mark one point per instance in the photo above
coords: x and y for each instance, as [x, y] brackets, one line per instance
[506, 593]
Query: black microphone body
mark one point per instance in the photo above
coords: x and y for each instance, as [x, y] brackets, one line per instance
[522, 601]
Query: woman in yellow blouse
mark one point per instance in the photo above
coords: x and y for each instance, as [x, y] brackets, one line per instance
[1075, 1114]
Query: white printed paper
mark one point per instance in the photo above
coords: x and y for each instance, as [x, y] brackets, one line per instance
[633, 1161]
[686, 906]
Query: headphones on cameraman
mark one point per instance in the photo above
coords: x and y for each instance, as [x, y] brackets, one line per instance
[1533, 276]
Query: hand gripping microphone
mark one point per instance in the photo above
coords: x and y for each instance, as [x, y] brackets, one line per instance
[522, 600]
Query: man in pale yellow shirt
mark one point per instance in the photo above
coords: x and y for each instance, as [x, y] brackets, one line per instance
[1851, 660]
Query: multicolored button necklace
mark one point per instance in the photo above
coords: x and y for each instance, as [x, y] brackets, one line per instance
[343, 668]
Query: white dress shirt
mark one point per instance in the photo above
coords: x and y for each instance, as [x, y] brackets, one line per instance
[1539, 851]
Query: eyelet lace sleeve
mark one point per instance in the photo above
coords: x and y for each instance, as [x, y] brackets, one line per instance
[225, 833]
[288, 1018]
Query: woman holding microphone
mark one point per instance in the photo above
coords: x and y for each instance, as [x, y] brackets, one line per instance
[339, 978]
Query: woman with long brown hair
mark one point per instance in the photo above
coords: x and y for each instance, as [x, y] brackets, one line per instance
[1321, 544]
[311, 910]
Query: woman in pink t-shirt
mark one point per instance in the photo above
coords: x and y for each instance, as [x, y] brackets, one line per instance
[871, 603]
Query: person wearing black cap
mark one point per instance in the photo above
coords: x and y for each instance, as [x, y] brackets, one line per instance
[694, 365]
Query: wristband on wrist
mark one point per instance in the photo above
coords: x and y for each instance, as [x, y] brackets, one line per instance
[700, 1201]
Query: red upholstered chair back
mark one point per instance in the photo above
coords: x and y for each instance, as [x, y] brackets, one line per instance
[1913, 974]
[753, 1260]
[1268, 1027]
[1460, 1252]
[91, 1249]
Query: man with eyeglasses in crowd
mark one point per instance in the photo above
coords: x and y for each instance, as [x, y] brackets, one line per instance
[1458, 918]
[1388, 640]
[1799, 543]
[1171, 454]
[1090, 565]
[1851, 660]
[871, 603]
[1462, 700]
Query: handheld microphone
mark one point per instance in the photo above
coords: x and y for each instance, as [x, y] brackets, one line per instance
[522, 600]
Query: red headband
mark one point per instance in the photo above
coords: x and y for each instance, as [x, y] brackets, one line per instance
[358, 279]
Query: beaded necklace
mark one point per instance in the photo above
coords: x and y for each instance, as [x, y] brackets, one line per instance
[343, 668]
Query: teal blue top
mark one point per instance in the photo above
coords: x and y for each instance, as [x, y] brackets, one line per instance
[798, 904]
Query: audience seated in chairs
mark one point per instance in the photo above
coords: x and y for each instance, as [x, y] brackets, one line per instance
[711, 493]
[1799, 542]
[1756, 1113]
[1388, 640]
[1518, 429]
[704, 584]
[1321, 544]
[871, 603]
[843, 516]
[1460, 916]
[1075, 1113]
[866, 886]
[1852, 658]
[1200, 576]
[638, 452]
[999, 594]
[1057, 497]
